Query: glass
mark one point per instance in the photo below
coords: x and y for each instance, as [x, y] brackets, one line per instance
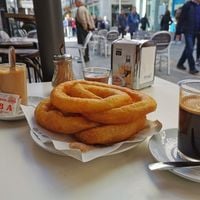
[189, 120]
[99, 74]
[13, 80]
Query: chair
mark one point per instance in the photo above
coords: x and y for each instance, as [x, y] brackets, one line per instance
[4, 37]
[111, 36]
[81, 48]
[31, 57]
[32, 34]
[163, 43]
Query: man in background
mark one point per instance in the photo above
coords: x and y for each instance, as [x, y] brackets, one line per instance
[84, 23]
[122, 23]
[133, 21]
[189, 25]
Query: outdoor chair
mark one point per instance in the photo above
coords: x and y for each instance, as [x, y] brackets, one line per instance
[4, 37]
[162, 40]
[81, 49]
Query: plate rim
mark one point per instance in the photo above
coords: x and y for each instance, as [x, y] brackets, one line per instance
[174, 171]
[52, 149]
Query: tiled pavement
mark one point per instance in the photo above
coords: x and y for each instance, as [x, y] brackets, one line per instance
[175, 53]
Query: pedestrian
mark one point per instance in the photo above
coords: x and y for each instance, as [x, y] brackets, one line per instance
[133, 21]
[189, 25]
[122, 23]
[144, 23]
[73, 27]
[84, 23]
[198, 50]
[177, 14]
[165, 21]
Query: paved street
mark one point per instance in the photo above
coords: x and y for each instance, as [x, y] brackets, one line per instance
[175, 53]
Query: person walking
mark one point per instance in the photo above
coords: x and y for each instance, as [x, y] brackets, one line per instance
[144, 23]
[84, 23]
[165, 21]
[189, 25]
[198, 50]
[133, 21]
[122, 23]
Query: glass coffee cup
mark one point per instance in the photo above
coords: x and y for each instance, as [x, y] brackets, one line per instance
[189, 120]
[98, 74]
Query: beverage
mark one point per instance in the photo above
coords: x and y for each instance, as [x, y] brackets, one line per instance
[96, 74]
[13, 80]
[189, 127]
[102, 79]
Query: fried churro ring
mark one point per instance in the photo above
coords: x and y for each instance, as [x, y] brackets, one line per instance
[141, 104]
[103, 98]
[52, 119]
[109, 134]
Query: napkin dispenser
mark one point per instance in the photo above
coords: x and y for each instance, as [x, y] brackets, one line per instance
[133, 63]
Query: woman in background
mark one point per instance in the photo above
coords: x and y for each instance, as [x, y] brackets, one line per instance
[166, 21]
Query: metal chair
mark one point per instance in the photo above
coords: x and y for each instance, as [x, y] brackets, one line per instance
[162, 40]
[81, 48]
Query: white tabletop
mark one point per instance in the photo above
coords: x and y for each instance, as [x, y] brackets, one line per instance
[29, 172]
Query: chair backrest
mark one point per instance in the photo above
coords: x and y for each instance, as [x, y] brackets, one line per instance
[22, 32]
[4, 36]
[103, 32]
[162, 40]
[87, 39]
[112, 35]
[32, 34]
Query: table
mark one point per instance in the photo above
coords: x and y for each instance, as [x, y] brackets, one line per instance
[29, 172]
[18, 43]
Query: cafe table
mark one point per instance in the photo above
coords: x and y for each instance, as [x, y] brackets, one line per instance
[29, 172]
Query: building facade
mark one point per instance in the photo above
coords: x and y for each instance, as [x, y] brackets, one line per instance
[153, 8]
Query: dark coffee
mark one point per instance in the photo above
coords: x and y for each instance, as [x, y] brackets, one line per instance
[189, 127]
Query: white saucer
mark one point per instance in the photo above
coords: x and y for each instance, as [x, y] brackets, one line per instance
[163, 147]
[19, 116]
[32, 101]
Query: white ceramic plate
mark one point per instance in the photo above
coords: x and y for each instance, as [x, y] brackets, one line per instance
[47, 144]
[32, 100]
[163, 147]
[19, 116]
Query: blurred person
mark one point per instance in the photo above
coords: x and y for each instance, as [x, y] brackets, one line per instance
[144, 23]
[198, 50]
[122, 23]
[189, 25]
[73, 26]
[84, 24]
[177, 14]
[133, 21]
[165, 21]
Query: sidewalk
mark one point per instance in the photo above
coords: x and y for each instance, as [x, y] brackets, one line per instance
[175, 53]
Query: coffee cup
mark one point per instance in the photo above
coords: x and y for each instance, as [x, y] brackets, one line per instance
[98, 74]
[189, 120]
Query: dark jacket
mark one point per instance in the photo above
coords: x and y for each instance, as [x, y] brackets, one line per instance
[187, 21]
[133, 22]
[165, 22]
[144, 23]
[122, 21]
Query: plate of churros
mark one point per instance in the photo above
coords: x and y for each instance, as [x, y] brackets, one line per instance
[87, 120]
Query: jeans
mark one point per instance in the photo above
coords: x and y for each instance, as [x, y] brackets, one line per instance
[188, 51]
[198, 46]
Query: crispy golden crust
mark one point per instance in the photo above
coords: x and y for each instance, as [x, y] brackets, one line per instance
[141, 104]
[108, 98]
[109, 134]
[50, 118]
[95, 113]
[127, 113]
